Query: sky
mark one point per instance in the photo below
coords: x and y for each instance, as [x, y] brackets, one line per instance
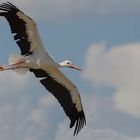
[101, 37]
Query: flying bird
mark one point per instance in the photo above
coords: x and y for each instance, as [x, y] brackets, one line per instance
[35, 58]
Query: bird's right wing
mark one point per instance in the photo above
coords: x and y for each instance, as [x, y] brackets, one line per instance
[24, 29]
[66, 93]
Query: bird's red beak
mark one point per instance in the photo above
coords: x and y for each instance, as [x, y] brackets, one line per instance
[75, 67]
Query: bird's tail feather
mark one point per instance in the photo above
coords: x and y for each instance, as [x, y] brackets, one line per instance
[17, 62]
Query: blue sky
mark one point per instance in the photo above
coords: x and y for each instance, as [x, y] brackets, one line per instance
[103, 38]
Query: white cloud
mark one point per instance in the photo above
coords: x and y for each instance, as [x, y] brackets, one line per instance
[117, 67]
[10, 82]
[24, 116]
[90, 134]
[65, 9]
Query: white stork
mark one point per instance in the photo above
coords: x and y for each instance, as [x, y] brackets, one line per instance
[34, 58]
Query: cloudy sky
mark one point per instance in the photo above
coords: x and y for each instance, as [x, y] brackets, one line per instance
[103, 38]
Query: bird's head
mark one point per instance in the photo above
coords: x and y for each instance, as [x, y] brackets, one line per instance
[69, 64]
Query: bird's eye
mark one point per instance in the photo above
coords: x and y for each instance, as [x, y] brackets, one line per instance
[68, 62]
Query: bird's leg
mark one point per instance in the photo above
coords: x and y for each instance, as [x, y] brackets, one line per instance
[1, 68]
[4, 67]
[12, 66]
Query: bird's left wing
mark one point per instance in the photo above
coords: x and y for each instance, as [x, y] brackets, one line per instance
[66, 93]
[24, 29]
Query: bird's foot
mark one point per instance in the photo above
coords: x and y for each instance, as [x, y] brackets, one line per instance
[1, 68]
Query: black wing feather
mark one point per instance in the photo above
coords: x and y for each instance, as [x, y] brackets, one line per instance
[17, 25]
[63, 96]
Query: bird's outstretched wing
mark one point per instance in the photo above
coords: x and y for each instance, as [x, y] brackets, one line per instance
[24, 29]
[66, 93]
